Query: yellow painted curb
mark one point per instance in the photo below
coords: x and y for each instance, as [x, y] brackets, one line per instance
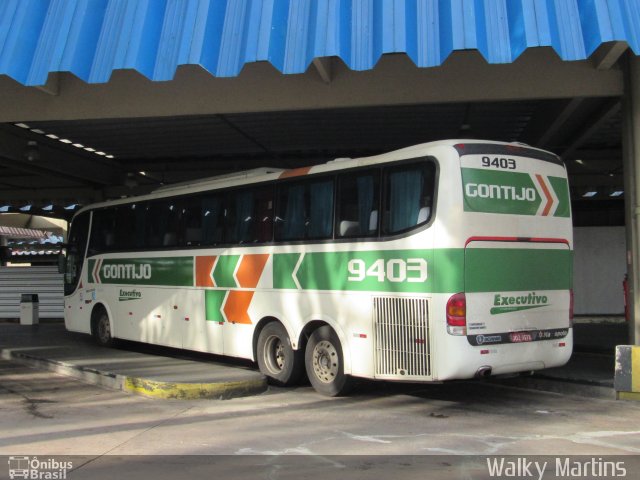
[629, 396]
[193, 391]
[635, 369]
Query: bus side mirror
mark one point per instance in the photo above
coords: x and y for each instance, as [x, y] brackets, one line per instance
[61, 263]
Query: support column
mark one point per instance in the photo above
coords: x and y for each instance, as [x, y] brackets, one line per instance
[4, 251]
[631, 160]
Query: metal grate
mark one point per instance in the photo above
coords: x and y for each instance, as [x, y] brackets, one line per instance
[402, 337]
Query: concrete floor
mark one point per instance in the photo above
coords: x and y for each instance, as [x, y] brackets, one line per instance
[382, 430]
[44, 413]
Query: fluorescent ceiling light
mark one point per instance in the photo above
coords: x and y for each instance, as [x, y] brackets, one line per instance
[51, 135]
[617, 193]
[22, 125]
[65, 140]
[590, 194]
[37, 130]
[580, 162]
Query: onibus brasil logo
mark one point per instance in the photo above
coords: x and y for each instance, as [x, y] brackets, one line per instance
[507, 304]
[38, 469]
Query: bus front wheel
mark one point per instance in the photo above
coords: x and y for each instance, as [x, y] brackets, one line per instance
[276, 357]
[102, 329]
[325, 363]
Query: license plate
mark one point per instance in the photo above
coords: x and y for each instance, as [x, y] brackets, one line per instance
[520, 337]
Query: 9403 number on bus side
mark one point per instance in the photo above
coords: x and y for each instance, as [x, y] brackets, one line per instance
[395, 270]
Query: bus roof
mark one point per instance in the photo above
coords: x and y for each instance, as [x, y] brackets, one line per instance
[268, 174]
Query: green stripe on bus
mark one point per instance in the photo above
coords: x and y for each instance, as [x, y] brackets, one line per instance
[561, 187]
[213, 300]
[382, 271]
[283, 266]
[447, 273]
[169, 271]
[499, 192]
[498, 270]
[511, 192]
[223, 273]
[487, 270]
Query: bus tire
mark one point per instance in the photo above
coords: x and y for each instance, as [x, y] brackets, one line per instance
[325, 363]
[102, 329]
[276, 357]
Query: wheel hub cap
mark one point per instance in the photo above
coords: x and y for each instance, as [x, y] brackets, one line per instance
[274, 354]
[325, 362]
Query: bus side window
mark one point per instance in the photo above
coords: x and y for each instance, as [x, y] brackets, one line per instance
[173, 211]
[102, 231]
[155, 224]
[249, 216]
[191, 222]
[78, 236]
[290, 214]
[409, 196]
[263, 215]
[212, 216]
[129, 229]
[358, 204]
[237, 216]
[304, 210]
[320, 218]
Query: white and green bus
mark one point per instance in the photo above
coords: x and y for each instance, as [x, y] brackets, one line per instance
[447, 260]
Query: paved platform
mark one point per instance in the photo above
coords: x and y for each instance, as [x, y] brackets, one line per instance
[591, 369]
[170, 373]
[587, 374]
[152, 371]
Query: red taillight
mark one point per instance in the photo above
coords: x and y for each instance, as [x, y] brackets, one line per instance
[457, 314]
[571, 308]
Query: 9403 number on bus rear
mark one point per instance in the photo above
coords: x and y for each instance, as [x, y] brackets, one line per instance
[499, 162]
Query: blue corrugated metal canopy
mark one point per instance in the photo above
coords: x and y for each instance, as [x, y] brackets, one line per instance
[92, 38]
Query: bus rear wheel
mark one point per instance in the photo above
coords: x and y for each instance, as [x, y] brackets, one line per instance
[102, 329]
[276, 357]
[325, 363]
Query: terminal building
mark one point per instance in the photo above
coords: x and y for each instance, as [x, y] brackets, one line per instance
[107, 99]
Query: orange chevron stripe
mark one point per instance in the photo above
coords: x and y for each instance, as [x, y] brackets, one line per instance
[547, 207]
[250, 270]
[204, 267]
[295, 172]
[236, 306]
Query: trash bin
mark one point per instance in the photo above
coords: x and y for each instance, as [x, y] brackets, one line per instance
[29, 309]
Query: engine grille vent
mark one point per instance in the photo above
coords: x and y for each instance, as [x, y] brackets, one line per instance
[401, 337]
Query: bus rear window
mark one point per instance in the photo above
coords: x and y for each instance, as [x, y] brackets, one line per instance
[409, 196]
